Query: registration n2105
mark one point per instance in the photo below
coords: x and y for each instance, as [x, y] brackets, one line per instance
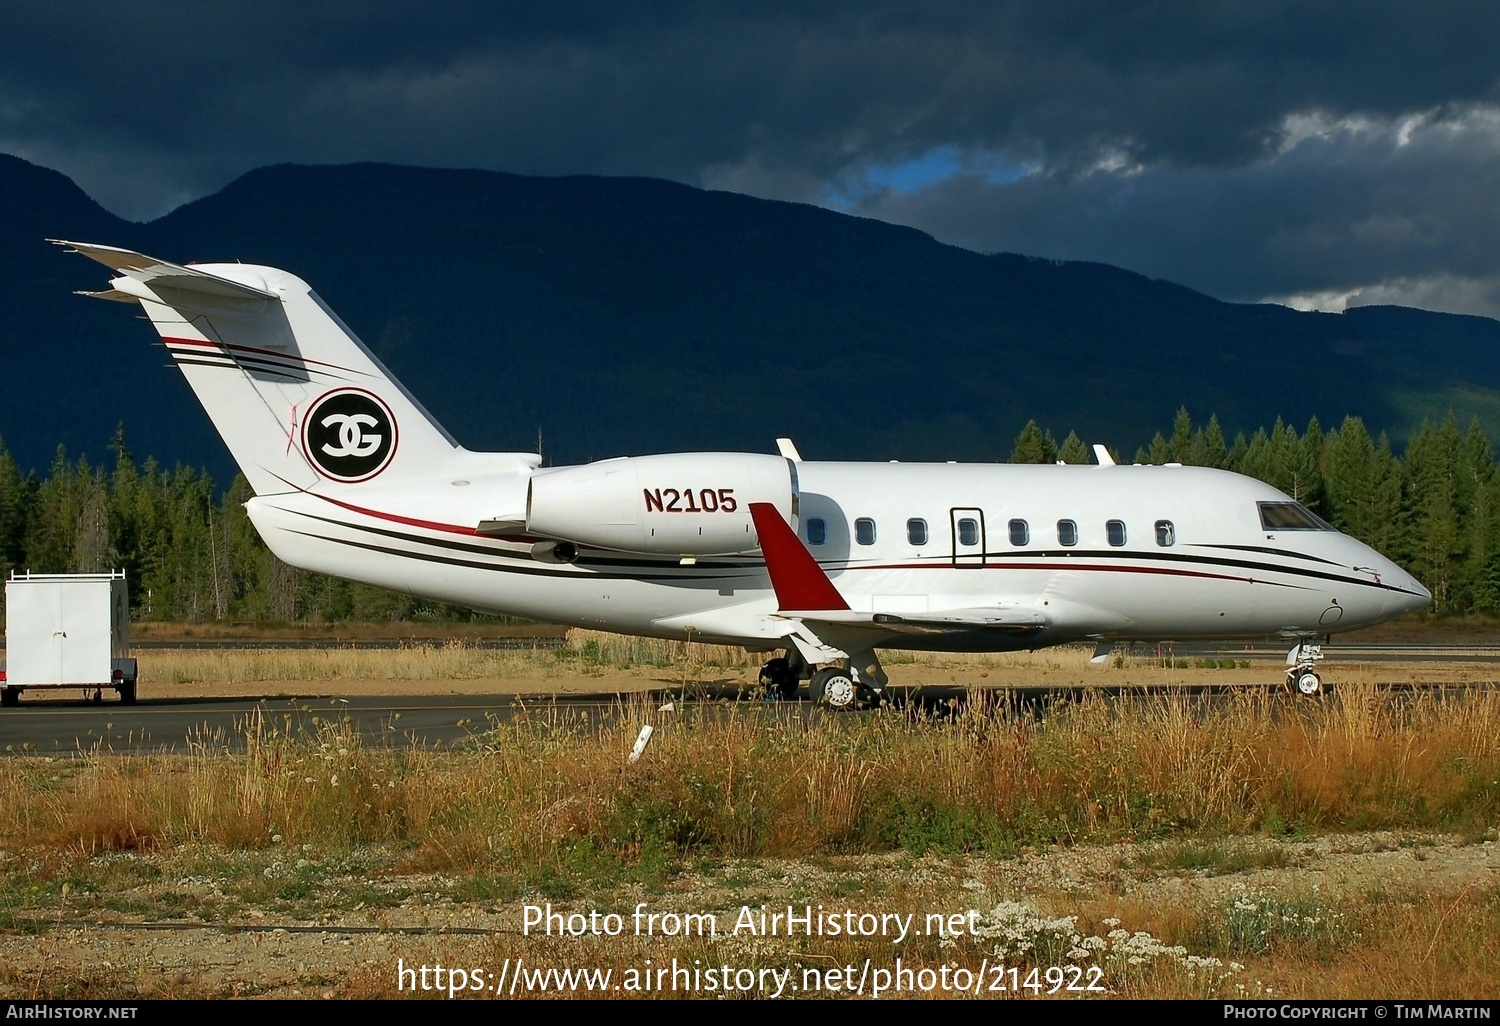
[690, 500]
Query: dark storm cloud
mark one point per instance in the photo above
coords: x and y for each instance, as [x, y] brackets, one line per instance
[1396, 211]
[1133, 132]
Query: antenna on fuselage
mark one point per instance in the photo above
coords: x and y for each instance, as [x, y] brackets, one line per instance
[1102, 455]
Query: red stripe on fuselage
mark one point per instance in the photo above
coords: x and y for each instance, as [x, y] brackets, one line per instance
[431, 525]
[1066, 565]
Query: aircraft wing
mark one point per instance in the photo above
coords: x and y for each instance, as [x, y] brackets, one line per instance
[826, 624]
[1013, 620]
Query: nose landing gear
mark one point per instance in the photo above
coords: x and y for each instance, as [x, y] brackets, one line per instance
[1301, 670]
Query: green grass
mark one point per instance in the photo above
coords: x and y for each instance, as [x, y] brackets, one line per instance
[1213, 857]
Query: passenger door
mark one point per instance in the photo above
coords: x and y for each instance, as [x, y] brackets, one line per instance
[968, 536]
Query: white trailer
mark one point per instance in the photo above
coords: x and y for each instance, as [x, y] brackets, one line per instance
[67, 631]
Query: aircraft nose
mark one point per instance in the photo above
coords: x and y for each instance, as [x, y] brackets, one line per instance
[1420, 596]
[1412, 596]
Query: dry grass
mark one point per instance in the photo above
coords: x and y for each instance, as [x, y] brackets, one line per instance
[550, 794]
[547, 807]
[582, 650]
[1428, 944]
[454, 659]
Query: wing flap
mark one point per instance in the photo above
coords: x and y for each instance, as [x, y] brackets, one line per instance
[1011, 621]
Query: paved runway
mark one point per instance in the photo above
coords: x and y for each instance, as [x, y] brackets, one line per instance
[180, 725]
[62, 727]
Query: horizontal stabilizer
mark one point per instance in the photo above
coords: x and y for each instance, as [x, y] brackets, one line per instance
[113, 295]
[154, 273]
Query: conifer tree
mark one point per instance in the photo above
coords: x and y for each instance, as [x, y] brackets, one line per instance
[1033, 445]
[1209, 449]
[1074, 451]
[1181, 443]
[1435, 542]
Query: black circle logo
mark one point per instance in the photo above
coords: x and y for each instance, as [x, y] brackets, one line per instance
[349, 434]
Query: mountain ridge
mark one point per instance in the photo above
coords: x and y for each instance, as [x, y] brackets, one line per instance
[622, 315]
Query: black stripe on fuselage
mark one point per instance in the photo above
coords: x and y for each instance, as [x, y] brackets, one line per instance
[753, 569]
[666, 571]
[537, 570]
[679, 578]
[1270, 551]
[998, 560]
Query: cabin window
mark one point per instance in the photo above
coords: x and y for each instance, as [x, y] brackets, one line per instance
[1020, 534]
[1115, 531]
[968, 531]
[1067, 532]
[817, 531]
[864, 531]
[1166, 534]
[1290, 516]
[916, 531]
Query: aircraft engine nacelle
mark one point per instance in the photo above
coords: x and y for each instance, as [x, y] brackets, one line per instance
[678, 504]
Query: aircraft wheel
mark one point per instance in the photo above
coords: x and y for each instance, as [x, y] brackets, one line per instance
[834, 688]
[778, 678]
[1309, 684]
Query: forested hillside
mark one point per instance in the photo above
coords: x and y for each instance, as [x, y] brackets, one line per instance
[192, 555]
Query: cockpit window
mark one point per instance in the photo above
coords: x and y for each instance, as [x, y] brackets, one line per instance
[1290, 516]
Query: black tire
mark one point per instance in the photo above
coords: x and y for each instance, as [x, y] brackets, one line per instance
[10, 696]
[778, 678]
[127, 692]
[835, 688]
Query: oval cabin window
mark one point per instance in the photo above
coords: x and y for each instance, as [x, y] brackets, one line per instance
[968, 531]
[1115, 531]
[916, 531]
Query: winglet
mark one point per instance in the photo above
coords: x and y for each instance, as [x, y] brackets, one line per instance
[799, 581]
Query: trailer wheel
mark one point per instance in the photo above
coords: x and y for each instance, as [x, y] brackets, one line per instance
[10, 696]
[127, 692]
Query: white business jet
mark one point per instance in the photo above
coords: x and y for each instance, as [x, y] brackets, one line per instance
[825, 562]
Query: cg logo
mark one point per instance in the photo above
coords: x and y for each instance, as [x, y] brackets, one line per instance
[349, 434]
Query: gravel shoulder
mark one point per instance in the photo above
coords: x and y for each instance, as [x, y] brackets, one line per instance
[325, 944]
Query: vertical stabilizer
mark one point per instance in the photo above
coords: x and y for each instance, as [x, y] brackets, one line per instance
[298, 399]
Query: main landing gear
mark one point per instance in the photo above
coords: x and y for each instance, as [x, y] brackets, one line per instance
[834, 687]
[1301, 670]
[781, 676]
[848, 684]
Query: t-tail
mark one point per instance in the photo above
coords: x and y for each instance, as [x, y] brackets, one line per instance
[301, 403]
